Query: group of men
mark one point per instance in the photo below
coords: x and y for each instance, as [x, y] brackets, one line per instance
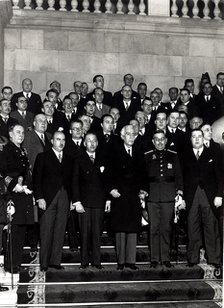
[66, 162]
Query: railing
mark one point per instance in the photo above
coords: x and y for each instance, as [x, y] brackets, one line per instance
[206, 9]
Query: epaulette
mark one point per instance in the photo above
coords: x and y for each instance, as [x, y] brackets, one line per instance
[174, 152]
[148, 152]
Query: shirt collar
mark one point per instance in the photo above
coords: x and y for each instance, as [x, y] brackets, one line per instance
[57, 153]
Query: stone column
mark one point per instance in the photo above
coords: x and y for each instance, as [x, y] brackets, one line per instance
[5, 15]
[159, 7]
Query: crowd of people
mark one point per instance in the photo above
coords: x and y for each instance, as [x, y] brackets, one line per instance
[64, 162]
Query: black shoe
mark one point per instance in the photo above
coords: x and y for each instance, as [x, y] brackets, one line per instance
[189, 264]
[2, 289]
[120, 267]
[73, 249]
[43, 268]
[167, 264]
[99, 266]
[154, 264]
[57, 267]
[83, 266]
[131, 266]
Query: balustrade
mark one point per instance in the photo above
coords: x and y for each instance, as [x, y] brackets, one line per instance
[205, 9]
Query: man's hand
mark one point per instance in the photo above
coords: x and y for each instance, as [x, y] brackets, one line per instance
[218, 202]
[115, 193]
[142, 194]
[79, 207]
[42, 204]
[18, 188]
[108, 206]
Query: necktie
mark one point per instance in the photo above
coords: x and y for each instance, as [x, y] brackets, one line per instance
[129, 151]
[221, 89]
[23, 114]
[92, 158]
[173, 131]
[5, 120]
[126, 106]
[68, 117]
[60, 157]
[77, 143]
[27, 96]
[100, 107]
[42, 138]
[198, 154]
[49, 121]
[107, 137]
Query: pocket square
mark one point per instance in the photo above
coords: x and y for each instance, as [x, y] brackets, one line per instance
[210, 160]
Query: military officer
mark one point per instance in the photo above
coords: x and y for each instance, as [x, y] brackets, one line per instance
[165, 183]
[16, 170]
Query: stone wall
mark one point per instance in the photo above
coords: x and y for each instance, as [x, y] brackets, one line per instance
[68, 46]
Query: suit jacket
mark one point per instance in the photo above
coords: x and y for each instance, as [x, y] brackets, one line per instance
[118, 97]
[49, 175]
[164, 175]
[15, 165]
[192, 108]
[34, 102]
[99, 113]
[107, 99]
[95, 124]
[127, 174]
[127, 115]
[34, 145]
[176, 141]
[72, 149]
[211, 110]
[59, 121]
[205, 172]
[27, 123]
[219, 97]
[88, 185]
[4, 127]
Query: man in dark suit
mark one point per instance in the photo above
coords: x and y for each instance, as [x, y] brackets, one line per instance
[173, 94]
[128, 81]
[24, 117]
[176, 139]
[127, 106]
[165, 182]
[52, 191]
[52, 96]
[90, 201]
[98, 81]
[74, 148]
[142, 91]
[6, 121]
[126, 184]
[209, 107]
[203, 189]
[218, 92]
[33, 99]
[16, 171]
[189, 84]
[55, 85]
[186, 104]
[55, 119]
[89, 109]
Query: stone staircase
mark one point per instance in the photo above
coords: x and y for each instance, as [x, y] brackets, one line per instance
[179, 286]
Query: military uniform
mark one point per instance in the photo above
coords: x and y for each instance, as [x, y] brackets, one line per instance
[165, 180]
[15, 168]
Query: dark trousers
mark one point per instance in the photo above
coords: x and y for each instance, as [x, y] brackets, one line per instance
[126, 247]
[90, 225]
[201, 220]
[160, 215]
[52, 229]
[73, 227]
[18, 233]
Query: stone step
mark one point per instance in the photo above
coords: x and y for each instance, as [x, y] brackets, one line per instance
[122, 291]
[170, 304]
[107, 254]
[72, 273]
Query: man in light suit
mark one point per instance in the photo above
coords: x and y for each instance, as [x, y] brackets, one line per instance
[101, 108]
[203, 189]
[52, 191]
